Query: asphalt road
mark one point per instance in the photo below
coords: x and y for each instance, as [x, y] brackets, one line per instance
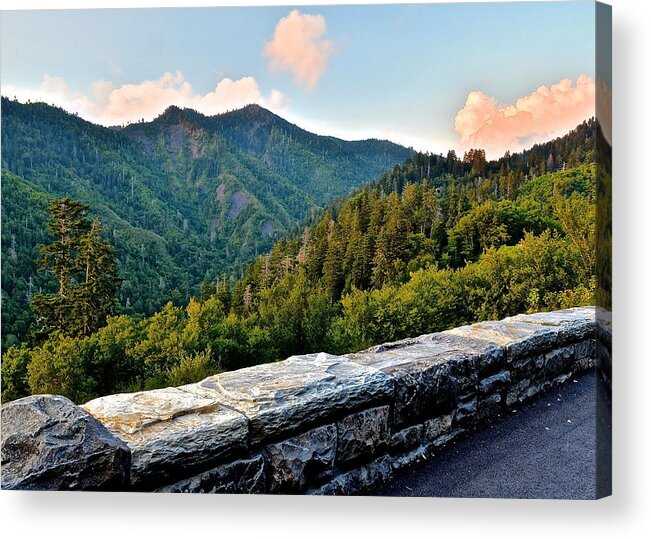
[545, 449]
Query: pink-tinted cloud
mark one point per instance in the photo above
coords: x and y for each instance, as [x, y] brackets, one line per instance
[108, 104]
[298, 46]
[538, 117]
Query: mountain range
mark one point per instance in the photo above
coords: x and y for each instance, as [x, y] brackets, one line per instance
[183, 198]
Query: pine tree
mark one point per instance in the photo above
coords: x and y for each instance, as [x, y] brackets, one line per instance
[84, 266]
[95, 297]
[333, 277]
[431, 211]
[390, 246]
[452, 205]
[68, 223]
[223, 293]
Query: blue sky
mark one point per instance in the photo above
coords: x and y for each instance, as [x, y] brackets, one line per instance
[401, 72]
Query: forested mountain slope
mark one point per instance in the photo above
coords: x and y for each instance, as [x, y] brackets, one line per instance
[184, 198]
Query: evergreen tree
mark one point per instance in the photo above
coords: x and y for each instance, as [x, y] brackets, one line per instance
[84, 266]
[68, 223]
[95, 297]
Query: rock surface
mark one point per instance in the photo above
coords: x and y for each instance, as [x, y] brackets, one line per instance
[495, 382]
[573, 324]
[558, 360]
[490, 357]
[246, 476]
[170, 431]
[406, 439]
[286, 397]
[585, 350]
[50, 443]
[604, 326]
[435, 428]
[427, 376]
[303, 460]
[519, 338]
[358, 481]
[528, 366]
[466, 412]
[489, 407]
[604, 343]
[362, 434]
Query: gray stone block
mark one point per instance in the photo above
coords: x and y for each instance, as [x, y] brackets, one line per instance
[559, 380]
[406, 439]
[465, 412]
[559, 361]
[586, 354]
[519, 338]
[574, 324]
[604, 363]
[604, 327]
[171, 431]
[488, 357]
[444, 440]
[435, 428]
[427, 377]
[517, 392]
[302, 461]
[532, 390]
[50, 443]
[361, 435]
[286, 397]
[494, 383]
[528, 367]
[408, 459]
[246, 476]
[359, 480]
[489, 408]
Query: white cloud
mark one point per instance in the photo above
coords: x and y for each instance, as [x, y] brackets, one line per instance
[108, 104]
[298, 46]
[544, 114]
[276, 100]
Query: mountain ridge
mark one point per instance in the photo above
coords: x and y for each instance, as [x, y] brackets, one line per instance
[250, 110]
[267, 136]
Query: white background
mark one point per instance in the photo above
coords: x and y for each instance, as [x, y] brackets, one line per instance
[626, 514]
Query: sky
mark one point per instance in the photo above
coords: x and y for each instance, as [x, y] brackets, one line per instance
[433, 76]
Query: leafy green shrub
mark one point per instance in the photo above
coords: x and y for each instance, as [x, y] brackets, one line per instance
[14, 373]
[192, 368]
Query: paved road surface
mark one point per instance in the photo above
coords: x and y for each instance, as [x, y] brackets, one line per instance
[544, 450]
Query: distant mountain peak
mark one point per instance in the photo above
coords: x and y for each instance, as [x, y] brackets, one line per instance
[255, 107]
[251, 111]
[172, 109]
[173, 114]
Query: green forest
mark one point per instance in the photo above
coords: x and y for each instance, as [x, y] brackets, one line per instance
[183, 198]
[433, 243]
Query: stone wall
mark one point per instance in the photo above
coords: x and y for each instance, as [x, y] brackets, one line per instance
[604, 342]
[317, 424]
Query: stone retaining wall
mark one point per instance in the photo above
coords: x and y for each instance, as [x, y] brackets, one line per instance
[604, 341]
[318, 424]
